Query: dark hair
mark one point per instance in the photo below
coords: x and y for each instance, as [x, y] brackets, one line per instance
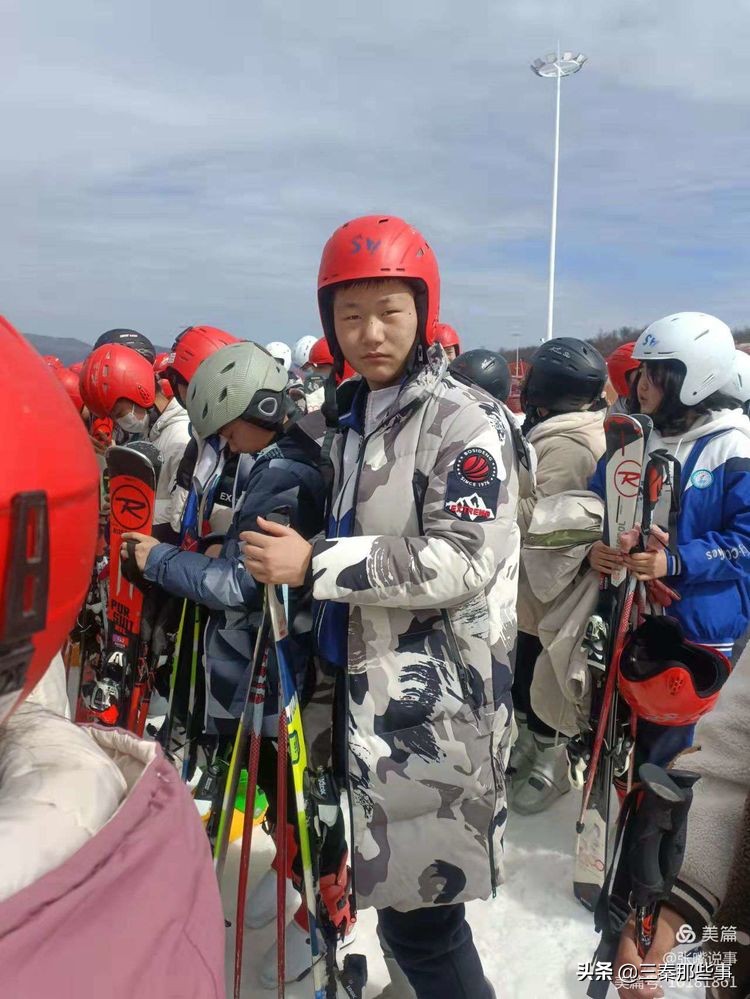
[673, 416]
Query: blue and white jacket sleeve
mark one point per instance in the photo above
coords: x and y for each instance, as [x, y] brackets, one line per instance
[216, 583]
[722, 553]
[597, 484]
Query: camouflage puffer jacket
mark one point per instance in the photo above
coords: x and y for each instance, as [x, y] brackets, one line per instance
[430, 575]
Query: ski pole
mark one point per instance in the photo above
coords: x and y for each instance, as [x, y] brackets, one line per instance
[187, 751]
[281, 851]
[258, 695]
[249, 716]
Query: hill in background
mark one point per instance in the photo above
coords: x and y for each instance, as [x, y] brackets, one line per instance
[68, 349]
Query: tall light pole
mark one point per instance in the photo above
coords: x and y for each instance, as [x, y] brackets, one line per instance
[517, 338]
[556, 66]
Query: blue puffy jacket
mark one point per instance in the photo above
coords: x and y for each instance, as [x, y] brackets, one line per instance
[286, 474]
[711, 567]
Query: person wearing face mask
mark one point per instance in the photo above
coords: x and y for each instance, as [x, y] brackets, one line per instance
[119, 383]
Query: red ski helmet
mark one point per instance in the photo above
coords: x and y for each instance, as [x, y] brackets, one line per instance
[619, 365]
[194, 345]
[321, 355]
[52, 360]
[115, 372]
[446, 336]
[72, 385]
[372, 247]
[160, 365]
[667, 679]
[49, 505]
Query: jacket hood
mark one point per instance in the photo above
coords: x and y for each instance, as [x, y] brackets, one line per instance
[172, 415]
[584, 426]
[723, 419]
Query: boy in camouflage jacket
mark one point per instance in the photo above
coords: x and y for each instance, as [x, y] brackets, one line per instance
[417, 582]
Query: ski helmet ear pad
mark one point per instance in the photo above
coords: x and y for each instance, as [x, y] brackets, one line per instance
[267, 409]
[665, 678]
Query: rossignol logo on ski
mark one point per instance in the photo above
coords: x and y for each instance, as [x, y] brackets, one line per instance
[131, 506]
[628, 478]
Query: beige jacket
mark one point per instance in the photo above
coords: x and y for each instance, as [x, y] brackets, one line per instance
[568, 448]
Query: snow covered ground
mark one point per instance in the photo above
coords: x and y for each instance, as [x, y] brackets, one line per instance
[531, 937]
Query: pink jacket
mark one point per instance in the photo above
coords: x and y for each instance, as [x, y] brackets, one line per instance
[133, 912]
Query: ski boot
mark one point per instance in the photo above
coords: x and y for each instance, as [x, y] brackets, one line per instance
[523, 753]
[547, 780]
[399, 987]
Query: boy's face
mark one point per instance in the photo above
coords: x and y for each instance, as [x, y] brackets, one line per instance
[376, 326]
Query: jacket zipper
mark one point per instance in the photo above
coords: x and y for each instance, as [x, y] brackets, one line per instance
[461, 669]
[490, 840]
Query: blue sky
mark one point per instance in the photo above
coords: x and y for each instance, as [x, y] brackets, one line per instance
[173, 163]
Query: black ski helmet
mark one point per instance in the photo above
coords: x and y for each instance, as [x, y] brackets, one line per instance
[566, 374]
[129, 338]
[484, 368]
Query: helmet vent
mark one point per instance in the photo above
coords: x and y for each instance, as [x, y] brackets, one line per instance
[381, 221]
[227, 368]
[223, 394]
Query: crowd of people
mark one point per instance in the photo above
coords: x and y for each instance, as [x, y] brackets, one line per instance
[433, 629]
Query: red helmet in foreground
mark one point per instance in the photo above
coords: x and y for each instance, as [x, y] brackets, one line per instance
[115, 372]
[372, 247]
[49, 504]
[71, 382]
[667, 679]
[446, 336]
[619, 365]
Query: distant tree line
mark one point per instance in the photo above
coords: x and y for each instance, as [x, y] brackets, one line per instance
[605, 341]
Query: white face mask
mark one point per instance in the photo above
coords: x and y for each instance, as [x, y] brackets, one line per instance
[133, 424]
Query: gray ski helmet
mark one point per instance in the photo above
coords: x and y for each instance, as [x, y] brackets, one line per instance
[241, 381]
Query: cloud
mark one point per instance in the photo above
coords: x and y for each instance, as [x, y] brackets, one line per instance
[168, 164]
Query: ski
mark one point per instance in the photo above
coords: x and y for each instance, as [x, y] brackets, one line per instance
[248, 729]
[625, 447]
[133, 472]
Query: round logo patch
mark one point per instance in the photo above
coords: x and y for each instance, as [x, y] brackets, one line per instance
[701, 478]
[476, 467]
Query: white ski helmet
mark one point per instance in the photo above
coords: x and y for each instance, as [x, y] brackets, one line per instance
[301, 352]
[281, 352]
[738, 386]
[241, 380]
[703, 343]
